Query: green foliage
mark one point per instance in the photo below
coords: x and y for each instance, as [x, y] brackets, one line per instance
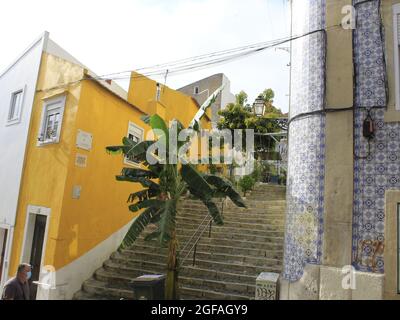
[212, 168]
[160, 199]
[258, 172]
[241, 99]
[234, 116]
[246, 183]
[239, 115]
[165, 184]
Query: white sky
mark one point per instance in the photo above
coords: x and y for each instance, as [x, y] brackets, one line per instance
[119, 35]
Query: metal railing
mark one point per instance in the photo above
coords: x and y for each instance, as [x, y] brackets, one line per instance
[196, 240]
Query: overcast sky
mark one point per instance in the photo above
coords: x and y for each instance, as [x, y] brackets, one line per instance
[112, 36]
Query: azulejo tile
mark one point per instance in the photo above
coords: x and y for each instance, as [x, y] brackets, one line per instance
[304, 226]
[378, 172]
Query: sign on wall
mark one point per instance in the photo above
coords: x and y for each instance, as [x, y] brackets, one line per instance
[81, 160]
[84, 140]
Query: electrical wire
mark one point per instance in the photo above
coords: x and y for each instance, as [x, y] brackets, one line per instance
[196, 63]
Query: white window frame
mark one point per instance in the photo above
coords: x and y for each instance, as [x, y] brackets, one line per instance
[132, 129]
[17, 118]
[396, 53]
[33, 211]
[7, 256]
[48, 105]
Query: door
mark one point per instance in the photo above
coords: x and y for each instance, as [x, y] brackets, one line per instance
[3, 247]
[39, 232]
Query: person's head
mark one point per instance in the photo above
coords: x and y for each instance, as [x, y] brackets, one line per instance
[24, 272]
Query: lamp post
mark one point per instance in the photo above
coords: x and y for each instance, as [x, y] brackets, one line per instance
[259, 106]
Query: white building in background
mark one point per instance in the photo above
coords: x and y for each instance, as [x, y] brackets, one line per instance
[202, 89]
[17, 91]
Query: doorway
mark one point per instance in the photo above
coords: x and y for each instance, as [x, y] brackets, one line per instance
[34, 243]
[3, 247]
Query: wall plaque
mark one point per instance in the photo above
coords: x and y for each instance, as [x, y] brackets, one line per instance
[84, 140]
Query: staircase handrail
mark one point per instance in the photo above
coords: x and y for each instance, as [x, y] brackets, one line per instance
[194, 246]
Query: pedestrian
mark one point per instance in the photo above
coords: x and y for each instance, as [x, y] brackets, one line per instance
[17, 288]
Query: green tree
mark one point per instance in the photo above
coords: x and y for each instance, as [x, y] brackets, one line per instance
[246, 184]
[239, 116]
[165, 184]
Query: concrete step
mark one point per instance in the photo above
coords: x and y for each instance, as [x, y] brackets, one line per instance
[271, 253]
[275, 237]
[237, 216]
[100, 288]
[219, 257]
[160, 266]
[251, 204]
[239, 242]
[227, 262]
[228, 209]
[188, 270]
[229, 222]
[256, 229]
[124, 282]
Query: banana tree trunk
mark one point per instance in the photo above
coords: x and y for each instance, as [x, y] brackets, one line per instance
[171, 286]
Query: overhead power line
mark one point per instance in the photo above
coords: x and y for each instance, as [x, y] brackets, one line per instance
[197, 62]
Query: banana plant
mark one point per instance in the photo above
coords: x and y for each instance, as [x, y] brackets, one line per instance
[164, 186]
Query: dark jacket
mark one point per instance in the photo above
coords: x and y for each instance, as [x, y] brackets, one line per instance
[15, 290]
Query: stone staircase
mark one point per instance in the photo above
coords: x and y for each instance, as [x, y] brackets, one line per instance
[227, 263]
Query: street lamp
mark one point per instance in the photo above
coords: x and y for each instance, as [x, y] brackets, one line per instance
[259, 106]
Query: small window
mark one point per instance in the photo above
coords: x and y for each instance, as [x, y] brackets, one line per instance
[196, 90]
[158, 93]
[50, 129]
[14, 113]
[135, 133]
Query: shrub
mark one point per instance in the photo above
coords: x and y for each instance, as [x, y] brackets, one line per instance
[246, 184]
[257, 173]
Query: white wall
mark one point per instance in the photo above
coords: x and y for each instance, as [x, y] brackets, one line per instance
[23, 73]
[227, 97]
[68, 280]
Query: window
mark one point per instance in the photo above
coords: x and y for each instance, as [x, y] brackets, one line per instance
[396, 40]
[135, 134]
[196, 90]
[50, 129]
[14, 112]
[158, 93]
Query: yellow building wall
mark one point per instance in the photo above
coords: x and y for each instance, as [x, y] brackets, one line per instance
[76, 226]
[142, 92]
[50, 173]
[46, 167]
[102, 209]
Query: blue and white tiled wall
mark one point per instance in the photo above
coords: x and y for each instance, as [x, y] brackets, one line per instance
[380, 170]
[305, 197]
[373, 174]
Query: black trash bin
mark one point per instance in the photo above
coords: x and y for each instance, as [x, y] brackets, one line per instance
[149, 287]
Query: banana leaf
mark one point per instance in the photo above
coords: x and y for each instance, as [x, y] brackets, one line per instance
[214, 212]
[134, 172]
[150, 203]
[141, 222]
[143, 195]
[196, 182]
[224, 188]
